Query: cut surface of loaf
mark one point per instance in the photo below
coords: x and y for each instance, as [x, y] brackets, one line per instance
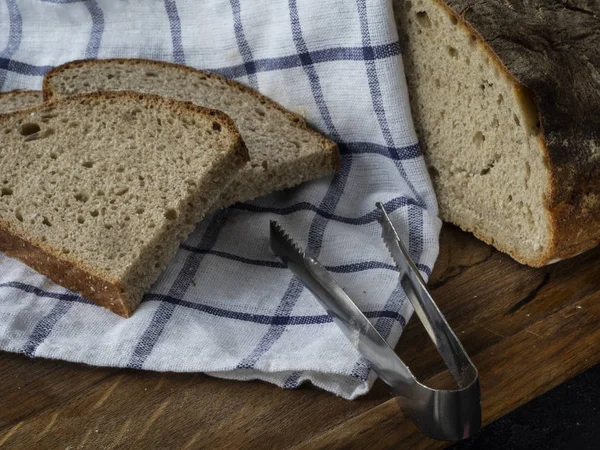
[19, 99]
[501, 166]
[98, 190]
[283, 151]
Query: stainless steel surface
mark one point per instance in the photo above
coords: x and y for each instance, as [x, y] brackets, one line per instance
[440, 414]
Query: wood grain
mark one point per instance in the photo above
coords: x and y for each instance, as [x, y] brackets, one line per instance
[526, 329]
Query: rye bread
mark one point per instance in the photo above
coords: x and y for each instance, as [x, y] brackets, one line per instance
[506, 101]
[283, 151]
[97, 190]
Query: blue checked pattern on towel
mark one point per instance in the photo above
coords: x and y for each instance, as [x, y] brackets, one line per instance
[226, 306]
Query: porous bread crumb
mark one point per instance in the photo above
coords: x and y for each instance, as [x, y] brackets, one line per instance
[111, 183]
[283, 151]
[19, 99]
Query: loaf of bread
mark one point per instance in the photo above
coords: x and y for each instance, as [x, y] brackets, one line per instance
[283, 151]
[97, 190]
[19, 99]
[506, 101]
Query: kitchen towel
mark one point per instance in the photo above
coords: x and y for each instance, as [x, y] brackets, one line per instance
[226, 306]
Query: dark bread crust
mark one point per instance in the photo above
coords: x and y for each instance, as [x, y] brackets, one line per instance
[551, 51]
[328, 146]
[17, 92]
[67, 273]
[70, 272]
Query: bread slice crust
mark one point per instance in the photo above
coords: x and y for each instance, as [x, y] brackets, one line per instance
[74, 273]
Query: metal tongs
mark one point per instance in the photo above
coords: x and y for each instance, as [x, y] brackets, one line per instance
[440, 414]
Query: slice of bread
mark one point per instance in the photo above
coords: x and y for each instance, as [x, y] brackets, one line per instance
[506, 101]
[19, 99]
[97, 190]
[283, 151]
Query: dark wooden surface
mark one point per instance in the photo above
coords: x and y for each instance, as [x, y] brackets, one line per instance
[527, 331]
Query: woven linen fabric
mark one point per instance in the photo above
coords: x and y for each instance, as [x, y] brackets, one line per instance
[226, 306]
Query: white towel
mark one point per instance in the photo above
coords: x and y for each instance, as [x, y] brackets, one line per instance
[226, 306]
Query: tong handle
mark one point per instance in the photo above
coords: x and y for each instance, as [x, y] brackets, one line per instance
[438, 329]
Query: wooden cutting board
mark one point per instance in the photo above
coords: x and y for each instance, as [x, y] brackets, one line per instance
[526, 329]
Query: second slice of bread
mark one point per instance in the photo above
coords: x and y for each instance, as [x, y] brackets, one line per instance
[283, 151]
[19, 99]
[98, 190]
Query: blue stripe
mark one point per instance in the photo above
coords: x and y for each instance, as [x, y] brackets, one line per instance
[328, 204]
[45, 326]
[307, 65]
[230, 256]
[40, 293]
[180, 286]
[397, 299]
[292, 381]
[175, 24]
[415, 232]
[342, 268]
[97, 29]
[243, 46]
[10, 65]
[415, 250]
[148, 341]
[383, 325]
[376, 97]
[415, 214]
[276, 328]
[295, 288]
[14, 37]
[206, 309]
[93, 45]
[317, 57]
[394, 153]
[373, 216]
[276, 321]
[394, 303]
[260, 65]
[372, 78]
